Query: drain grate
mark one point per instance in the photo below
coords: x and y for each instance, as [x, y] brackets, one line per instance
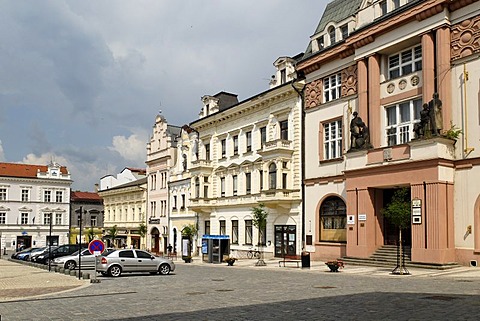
[218, 280]
[195, 293]
[224, 290]
[325, 287]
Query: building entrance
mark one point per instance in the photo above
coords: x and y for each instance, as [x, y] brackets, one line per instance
[285, 240]
[390, 231]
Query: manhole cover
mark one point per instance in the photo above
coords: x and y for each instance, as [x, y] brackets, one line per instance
[441, 298]
[325, 287]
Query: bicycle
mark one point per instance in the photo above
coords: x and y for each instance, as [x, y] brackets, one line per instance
[252, 252]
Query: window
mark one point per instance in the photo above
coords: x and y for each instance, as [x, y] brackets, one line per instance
[197, 187]
[93, 220]
[284, 130]
[248, 183]
[235, 185]
[143, 255]
[260, 172]
[321, 43]
[126, 253]
[344, 30]
[222, 186]
[223, 227]
[58, 219]
[205, 191]
[406, 62]
[383, 7]
[396, 4]
[47, 196]
[224, 148]
[235, 145]
[272, 173]
[283, 76]
[3, 218]
[331, 35]
[207, 151]
[332, 140]
[284, 180]
[248, 232]
[24, 218]
[174, 202]
[207, 227]
[333, 220]
[46, 218]
[332, 87]
[59, 196]
[248, 137]
[263, 136]
[3, 194]
[183, 202]
[401, 119]
[234, 231]
[25, 195]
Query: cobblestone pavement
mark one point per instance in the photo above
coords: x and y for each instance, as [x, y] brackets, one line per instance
[202, 291]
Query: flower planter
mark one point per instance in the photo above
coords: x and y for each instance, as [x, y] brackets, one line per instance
[333, 267]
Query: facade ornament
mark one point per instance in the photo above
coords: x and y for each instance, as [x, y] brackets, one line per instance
[359, 134]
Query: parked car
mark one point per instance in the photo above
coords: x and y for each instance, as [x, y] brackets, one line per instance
[21, 252]
[33, 257]
[128, 260]
[62, 250]
[25, 255]
[71, 261]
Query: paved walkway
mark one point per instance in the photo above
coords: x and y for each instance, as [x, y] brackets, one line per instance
[19, 281]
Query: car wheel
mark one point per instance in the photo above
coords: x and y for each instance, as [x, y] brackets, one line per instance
[114, 270]
[70, 265]
[164, 269]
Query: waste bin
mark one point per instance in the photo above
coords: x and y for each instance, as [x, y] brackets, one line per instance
[305, 260]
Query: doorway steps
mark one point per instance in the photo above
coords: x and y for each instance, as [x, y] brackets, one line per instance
[386, 256]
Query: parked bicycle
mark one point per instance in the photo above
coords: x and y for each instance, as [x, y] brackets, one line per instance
[253, 253]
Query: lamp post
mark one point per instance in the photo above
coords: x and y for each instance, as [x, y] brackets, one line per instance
[50, 244]
[80, 212]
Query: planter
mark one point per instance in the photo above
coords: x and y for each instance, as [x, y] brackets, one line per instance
[333, 267]
[187, 259]
[230, 262]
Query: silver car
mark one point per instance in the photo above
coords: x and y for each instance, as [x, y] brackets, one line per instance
[128, 260]
[71, 261]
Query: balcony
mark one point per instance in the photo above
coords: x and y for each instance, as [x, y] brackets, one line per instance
[276, 148]
[201, 166]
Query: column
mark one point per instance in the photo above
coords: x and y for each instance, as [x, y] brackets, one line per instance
[374, 112]
[444, 81]
[428, 67]
[362, 83]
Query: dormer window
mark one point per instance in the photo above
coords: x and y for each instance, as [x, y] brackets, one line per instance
[320, 42]
[283, 76]
[383, 7]
[331, 34]
[344, 30]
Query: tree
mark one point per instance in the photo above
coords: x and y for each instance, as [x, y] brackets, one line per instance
[142, 230]
[398, 212]
[189, 231]
[90, 234]
[260, 222]
[112, 234]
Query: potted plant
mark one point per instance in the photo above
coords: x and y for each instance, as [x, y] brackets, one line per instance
[334, 265]
[229, 260]
[189, 231]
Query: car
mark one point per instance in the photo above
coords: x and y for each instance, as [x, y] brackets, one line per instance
[21, 252]
[130, 260]
[62, 250]
[25, 255]
[71, 261]
[33, 257]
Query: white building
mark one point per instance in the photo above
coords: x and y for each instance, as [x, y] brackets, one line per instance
[249, 153]
[34, 205]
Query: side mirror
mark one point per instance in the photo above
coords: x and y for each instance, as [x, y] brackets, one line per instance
[152, 257]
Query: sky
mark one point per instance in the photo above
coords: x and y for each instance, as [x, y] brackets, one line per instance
[82, 81]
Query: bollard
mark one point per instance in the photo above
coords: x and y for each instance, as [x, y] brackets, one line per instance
[67, 272]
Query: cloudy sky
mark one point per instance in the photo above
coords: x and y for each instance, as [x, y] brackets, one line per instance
[82, 81]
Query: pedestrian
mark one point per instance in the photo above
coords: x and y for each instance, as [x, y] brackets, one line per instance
[169, 248]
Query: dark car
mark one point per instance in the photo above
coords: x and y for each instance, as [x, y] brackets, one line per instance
[62, 250]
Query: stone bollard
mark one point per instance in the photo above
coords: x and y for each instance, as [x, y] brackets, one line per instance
[67, 272]
[85, 276]
[73, 273]
[61, 270]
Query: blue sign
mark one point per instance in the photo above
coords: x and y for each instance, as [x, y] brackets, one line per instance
[96, 246]
[221, 237]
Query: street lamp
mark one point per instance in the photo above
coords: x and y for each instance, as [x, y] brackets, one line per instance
[80, 212]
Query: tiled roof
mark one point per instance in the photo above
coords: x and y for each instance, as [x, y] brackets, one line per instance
[84, 196]
[337, 11]
[25, 170]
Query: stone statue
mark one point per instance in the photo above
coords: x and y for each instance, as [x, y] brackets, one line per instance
[435, 112]
[359, 133]
[423, 127]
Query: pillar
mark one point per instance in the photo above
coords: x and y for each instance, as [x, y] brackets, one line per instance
[428, 67]
[374, 113]
[444, 81]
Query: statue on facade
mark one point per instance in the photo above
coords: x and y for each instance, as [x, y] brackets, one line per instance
[359, 133]
[423, 128]
[436, 118]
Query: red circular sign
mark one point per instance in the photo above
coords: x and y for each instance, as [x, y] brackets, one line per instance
[96, 246]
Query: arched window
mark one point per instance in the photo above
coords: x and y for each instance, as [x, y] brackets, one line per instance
[272, 173]
[333, 220]
[331, 34]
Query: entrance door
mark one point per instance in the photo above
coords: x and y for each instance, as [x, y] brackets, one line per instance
[155, 240]
[390, 231]
[24, 242]
[285, 240]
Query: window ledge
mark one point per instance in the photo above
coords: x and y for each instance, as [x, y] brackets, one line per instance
[333, 160]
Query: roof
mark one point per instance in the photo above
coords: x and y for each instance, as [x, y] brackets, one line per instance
[138, 182]
[25, 170]
[76, 196]
[141, 171]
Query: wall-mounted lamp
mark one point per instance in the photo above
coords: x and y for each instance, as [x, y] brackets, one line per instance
[468, 232]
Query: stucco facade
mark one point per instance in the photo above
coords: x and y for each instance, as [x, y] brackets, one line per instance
[384, 61]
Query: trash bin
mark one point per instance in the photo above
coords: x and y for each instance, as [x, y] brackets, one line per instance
[305, 260]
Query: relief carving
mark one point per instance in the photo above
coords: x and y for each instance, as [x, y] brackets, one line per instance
[465, 38]
[313, 94]
[349, 81]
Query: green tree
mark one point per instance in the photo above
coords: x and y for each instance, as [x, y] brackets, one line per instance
[90, 234]
[260, 222]
[142, 229]
[189, 231]
[398, 212]
[112, 234]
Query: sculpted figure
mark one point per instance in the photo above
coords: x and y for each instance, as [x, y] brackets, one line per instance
[435, 112]
[359, 133]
